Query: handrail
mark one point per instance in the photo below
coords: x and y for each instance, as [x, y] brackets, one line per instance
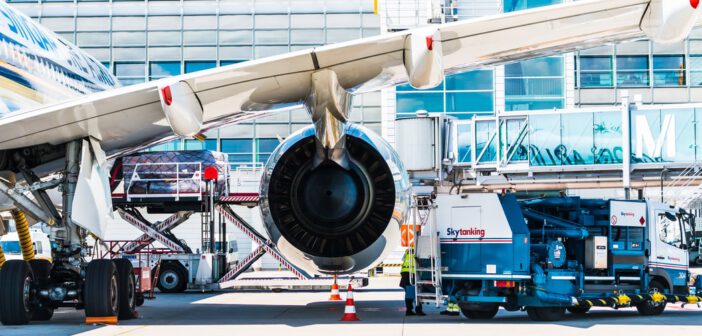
[136, 177]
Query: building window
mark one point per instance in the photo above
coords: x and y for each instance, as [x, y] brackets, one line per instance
[696, 70]
[632, 71]
[208, 144]
[129, 73]
[168, 146]
[193, 66]
[163, 69]
[240, 151]
[409, 101]
[669, 70]
[535, 84]
[264, 149]
[230, 62]
[596, 71]
[516, 5]
[462, 96]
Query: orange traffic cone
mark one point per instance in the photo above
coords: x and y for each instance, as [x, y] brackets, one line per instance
[350, 308]
[335, 292]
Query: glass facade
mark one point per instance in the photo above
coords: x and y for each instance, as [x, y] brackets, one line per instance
[148, 40]
[637, 65]
[536, 84]
[672, 134]
[462, 96]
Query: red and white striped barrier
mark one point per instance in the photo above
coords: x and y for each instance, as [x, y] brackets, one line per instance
[150, 231]
[169, 223]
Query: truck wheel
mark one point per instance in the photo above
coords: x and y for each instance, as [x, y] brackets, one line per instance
[16, 295]
[101, 294]
[648, 308]
[489, 312]
[171, 279]
[579, 310]
[139, 299]
[41, 269]
[698, 260]
[127, 289]
[545, 314]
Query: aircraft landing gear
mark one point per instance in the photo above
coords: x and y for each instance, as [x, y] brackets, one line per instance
[33, 289]
[17, 293]
[101, 292]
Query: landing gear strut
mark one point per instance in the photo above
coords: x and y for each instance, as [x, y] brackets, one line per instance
[32, 289]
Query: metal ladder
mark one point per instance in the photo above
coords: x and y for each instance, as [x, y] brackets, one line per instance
[427, 277]
[205, 218]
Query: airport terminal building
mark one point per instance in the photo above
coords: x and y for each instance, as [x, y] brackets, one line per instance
[557, 113]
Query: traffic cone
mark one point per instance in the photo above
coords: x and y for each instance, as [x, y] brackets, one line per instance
[350, 308]
[335, 292]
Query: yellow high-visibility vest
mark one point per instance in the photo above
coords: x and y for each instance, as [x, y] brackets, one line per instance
[408, 262]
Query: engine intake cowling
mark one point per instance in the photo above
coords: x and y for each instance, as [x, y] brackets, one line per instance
[326, 218]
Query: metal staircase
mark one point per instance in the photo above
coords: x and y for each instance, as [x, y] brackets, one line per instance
[427, 279]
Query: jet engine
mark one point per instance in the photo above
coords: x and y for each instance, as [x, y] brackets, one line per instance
[334, 218]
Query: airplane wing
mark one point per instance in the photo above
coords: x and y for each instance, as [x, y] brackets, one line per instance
[129, 118]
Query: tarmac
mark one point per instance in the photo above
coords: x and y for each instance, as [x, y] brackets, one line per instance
[380, 308]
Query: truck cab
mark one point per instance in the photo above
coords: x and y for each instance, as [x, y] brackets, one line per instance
[671, 235]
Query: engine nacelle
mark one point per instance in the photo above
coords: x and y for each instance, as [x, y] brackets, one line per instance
[327, 219]
[669, 21]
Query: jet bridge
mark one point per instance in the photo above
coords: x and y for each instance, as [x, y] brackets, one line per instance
[631, 146]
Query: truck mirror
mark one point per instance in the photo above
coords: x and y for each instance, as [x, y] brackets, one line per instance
[231, 250]
[670, 216]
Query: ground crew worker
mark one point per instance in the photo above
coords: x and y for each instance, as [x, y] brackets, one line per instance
[408, 266]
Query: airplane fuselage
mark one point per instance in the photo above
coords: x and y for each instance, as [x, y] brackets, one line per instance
[38, 67]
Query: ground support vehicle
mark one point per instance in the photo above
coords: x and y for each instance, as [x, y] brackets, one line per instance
[549, 255]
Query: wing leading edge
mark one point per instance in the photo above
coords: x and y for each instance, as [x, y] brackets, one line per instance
[132, 117]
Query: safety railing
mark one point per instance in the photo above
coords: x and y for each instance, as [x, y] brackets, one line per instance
[584, 139]
[246, 177]
[165, 180]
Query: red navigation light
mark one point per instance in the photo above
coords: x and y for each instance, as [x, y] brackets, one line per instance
[430, 42]
[167, 97]
[211, 173]
[694, 3]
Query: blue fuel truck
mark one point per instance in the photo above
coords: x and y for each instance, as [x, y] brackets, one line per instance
[551, 255]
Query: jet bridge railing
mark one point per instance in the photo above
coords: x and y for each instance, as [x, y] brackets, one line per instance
[628, 137]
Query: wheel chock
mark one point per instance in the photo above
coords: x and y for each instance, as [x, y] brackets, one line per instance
[101, 320]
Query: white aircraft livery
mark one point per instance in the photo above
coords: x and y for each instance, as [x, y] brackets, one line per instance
[333, 195]
[37, 67]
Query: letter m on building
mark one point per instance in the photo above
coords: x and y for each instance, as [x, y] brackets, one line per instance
[645, 144]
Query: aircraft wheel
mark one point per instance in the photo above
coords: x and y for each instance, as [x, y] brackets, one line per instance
[42, 272]
[127, 289]
[16, 293]
[101, 293]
